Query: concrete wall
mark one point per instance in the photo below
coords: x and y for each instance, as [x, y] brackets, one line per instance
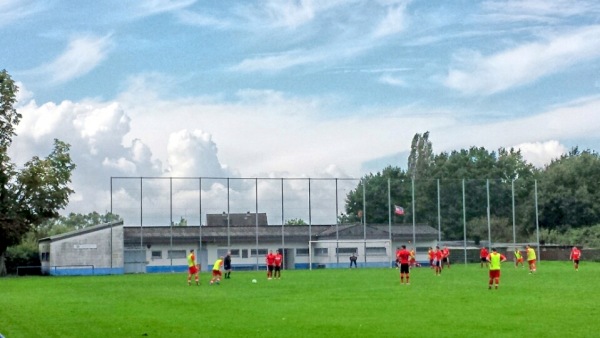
[97, 252]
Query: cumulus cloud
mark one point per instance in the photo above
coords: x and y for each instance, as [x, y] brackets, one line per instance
[95, 131]
[477, 74]
[541, 153]
[194, 154]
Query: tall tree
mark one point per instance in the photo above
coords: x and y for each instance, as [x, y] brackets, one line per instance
[569, 191]
[39, 190]
[421, 156]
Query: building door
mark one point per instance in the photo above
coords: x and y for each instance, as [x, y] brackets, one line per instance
[134, 261]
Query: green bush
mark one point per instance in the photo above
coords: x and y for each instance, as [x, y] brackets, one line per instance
[24, 255]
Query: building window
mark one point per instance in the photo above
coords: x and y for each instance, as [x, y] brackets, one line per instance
[376, 251]
[301, 251]
[321, 251]
[156, 254]
[346, 251]
[175, 254]
[235, 252]
[244, 253]
[261, 252]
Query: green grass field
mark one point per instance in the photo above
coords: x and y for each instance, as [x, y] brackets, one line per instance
[555, 302]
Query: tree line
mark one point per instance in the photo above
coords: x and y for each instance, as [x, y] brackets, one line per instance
[566, 192]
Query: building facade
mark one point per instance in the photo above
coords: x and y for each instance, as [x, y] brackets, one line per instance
[115, 248]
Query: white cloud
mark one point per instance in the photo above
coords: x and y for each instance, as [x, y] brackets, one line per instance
[392, 80]
[96, 132]
[541, 153]
[82, 55]
[151, 7]
[193, 154]
[477, 74]
[535, 10]
[12, 11]
[277, 62]
[287, 14]
[394, 21]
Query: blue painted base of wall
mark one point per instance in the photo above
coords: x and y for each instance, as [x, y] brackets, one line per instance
[83, 271]
[166, 268]
[89, 271]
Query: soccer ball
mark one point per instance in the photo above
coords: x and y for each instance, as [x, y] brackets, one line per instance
[254, 281]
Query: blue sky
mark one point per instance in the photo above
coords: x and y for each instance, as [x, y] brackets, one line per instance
[296, 88]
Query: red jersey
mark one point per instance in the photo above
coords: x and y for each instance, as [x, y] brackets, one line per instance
[446, 252]
[270, 259]
[439, 254]
[278, 259]
[431, 254]
[483, 253]
[575, 254]
[403, 256]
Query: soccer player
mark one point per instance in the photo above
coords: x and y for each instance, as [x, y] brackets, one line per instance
[431, 255]
[193, 268]
[494, 259]
[353, 259]
[404, 257]
[270, 260]
[518, 258]
[531, 258]
[227, 265]
[216, 271]
[413, 259]
[437, 261]
[574, 256]
[278, 262]
[446, 257]
[483, 253]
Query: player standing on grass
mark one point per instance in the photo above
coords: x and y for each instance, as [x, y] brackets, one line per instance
[437, 261]
[216, 271]
[518, 258]
[531, 258]
[483, 253]
[193, 268]
[404, 257]
[495, 259]
[278, 262]
[270, 260]
[227, 265]
[431, 255]
[574, 256]
[446, 257]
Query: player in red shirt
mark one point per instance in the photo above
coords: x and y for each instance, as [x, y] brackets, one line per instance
[270, 260]
[437, 261]
[574, 256]
[446, 257]
[483, 253]
[403, 256]
[278, 262]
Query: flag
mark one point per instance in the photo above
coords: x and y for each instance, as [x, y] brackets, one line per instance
[398, 210]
